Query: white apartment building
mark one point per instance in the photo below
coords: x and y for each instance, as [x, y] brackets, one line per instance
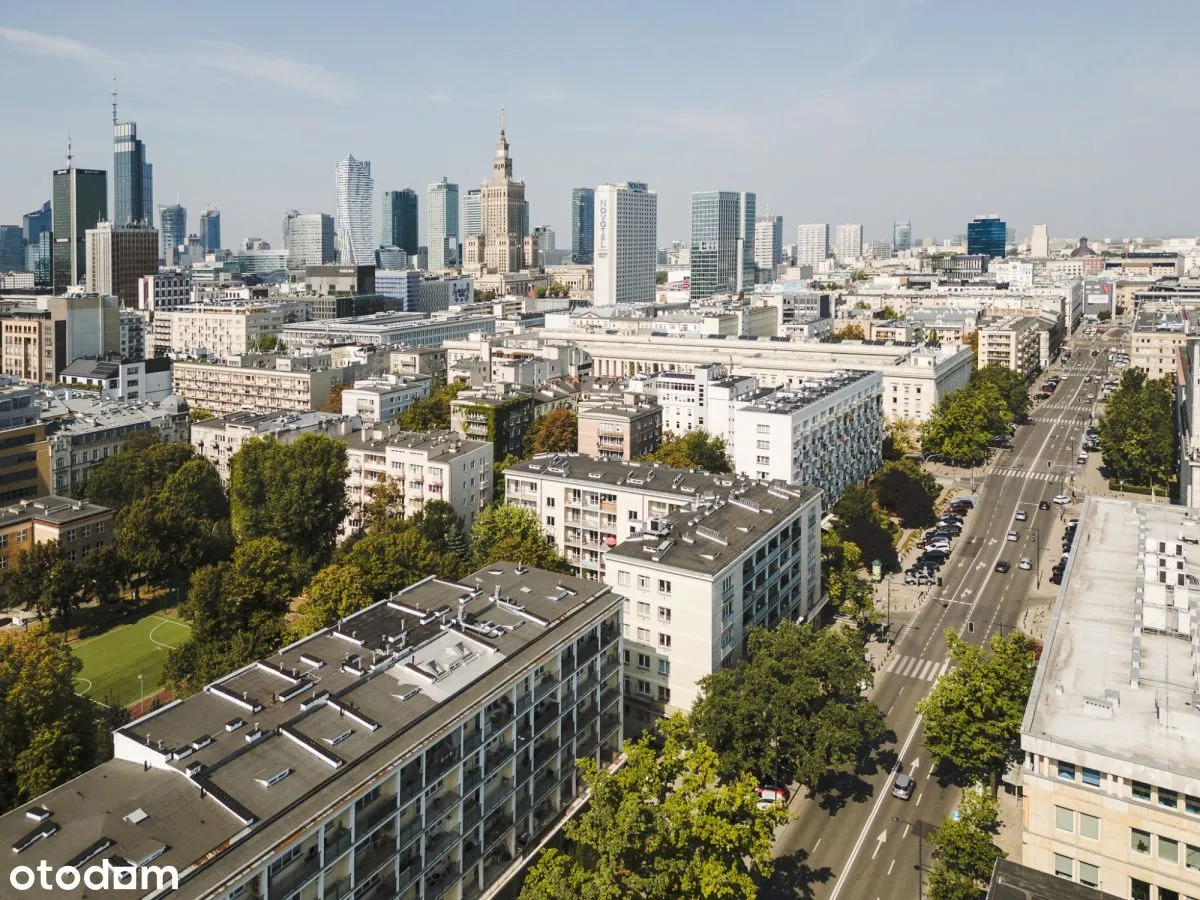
[383, 398]
[848, 243]
[1159, 332]
[135, 379]
[768, 242]
[625, 243]
[398, 328]
[1016, 273]
[1020, 343]
[812, 244]
[438, 465]
[422, 747]
[169, 289]
[826, 433]
[1039, 242]
[133, 335]
[1187, 402]
[261, 381]
[1111, 735]
[697, 581]
[218, 439]
[226, 329]
[702, 399]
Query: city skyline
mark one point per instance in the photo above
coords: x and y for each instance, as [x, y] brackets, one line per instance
[581, 131]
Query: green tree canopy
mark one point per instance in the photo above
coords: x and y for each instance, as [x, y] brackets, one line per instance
[140, 470]
[1138, 440]
[853, 332]
[963, 422]
[443, 528]
[664, 825]
[899, 438]
[1012, 386]
[46, 581]
[555, 432]
[905, 489]
[513, 534]
[964, 851]
[860, 521]
[696, 449]
[793, 710]
[397, 557]
[334, 593]
[849, 592]
[384, 508]
[973, 714]
[432, 413]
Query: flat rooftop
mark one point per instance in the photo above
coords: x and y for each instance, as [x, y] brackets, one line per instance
[809, 392]
[1118, 675]
[1160, 318]
[1013, 881]
[55, 510]
[438, 444]
[578, 469]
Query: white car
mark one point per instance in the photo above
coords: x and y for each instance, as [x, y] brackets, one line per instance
[1022, 515]
[1025, 563]
[1060, 500]
[1014, 536]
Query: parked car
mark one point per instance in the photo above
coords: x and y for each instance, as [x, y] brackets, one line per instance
[1014, 535]
[968, 502]
[1022, 515]
[1026, 563]
[1043, 504]
[1002, 566]
[770, 795]
[903, 786]
[922, 577]
[1062, 500]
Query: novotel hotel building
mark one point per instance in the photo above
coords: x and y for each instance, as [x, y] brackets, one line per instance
[626, 217]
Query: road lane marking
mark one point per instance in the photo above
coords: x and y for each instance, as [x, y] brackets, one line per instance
[891, 866]
[920, 794]
[879, 842]
[817, 844]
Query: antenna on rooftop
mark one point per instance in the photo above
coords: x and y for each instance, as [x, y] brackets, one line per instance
[69, 156]
[114, 96]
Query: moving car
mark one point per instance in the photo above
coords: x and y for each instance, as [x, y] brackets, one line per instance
[903, 787]
[1043, 504]
[1026, 563]
[1022, 515]
[770, 795]
[1062, 500]
[1014, 536]
[1002, 566]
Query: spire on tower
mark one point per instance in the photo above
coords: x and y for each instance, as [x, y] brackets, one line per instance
[114, 96]
[502, 121]
[69, 156]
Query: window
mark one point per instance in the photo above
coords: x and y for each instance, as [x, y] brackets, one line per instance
[643, 687]
[664, 641]
[1066, 770]
[643, 609]
[1064, 819]
[1091, 777]
[549, 500]
[762, 429]
[1138, 889]
[1190, 803]
[626, 655]
[70, 535]
[1064, 867]
[762, 460]
[664, 586]
[643, 660]
[1169, 799]
[1167, 894]
[664, 694]
[643, 635]
[763, 445]
[622, 578]
[550, 521]
[1168, 849]
[1139, 841]
[1089, 875]
[1192, 858]
[1141, 790]
[664, 667]
[644, 582]
[1089, 826]
[664, 614]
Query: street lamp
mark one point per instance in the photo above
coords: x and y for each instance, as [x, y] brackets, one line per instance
[916, 826]
[142, 698]
[1037, 558]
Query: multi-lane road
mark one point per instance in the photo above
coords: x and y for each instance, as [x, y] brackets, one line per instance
[854, 850]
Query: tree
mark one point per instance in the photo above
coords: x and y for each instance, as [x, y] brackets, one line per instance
[899, 438]
[664, 825]
[851, 595]
[334, 593]
[45, 580]
[973, 715]
[1137, 431]
[660, 277]
[48, 732]
[295, 492]
[555, 432]
[1104, 315]
[905, 489]
[1012, 386]
[964, 422]
[964, 852]
[196, 414]
[485, 296]
[971, 339]
[267, 343]
[139, 470]
[513, 534]
[385, 507]
[391, 560]
[793, 710]
[852, 332]
[860, 521]
[887, 314]
[932, 338]
[333, 403]
[696, 449]
[443, 528]
[431, 413]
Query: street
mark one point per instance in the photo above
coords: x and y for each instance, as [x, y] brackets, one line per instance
[853, 847]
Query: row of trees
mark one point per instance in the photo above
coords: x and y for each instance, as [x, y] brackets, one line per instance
[1138, 439]
[696, 449]
[965, 421]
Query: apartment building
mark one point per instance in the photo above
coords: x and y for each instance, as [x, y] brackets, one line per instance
[383, 398]
[81, 528]
[423, 747]
[218, 439]
[137, 379]
[164, 291]
[1158, 333]
[429, 361]
[619, 432]
[262, 381]
[826, 432]
[697, 581]
[1187, 418]
[501, 416]
[30, 345]
[226, 329]
[425, 466]
[24, 453]
[1111, 735]
[701, 399]
[399, 328]
[1020, 343]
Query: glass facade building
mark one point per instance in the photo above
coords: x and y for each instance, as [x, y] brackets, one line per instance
[173, 232]
[210, 230]
[400, 221]
[583, 225]
[473, 212]
[133, 178]
[355, 195]
[80, 200]
[12, 249]
[442, 212]
[902, 236]
[986, 236]
[722, 242]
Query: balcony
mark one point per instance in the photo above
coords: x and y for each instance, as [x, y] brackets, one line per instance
[498, 794]
[372, 857]
[523, 805]
[472, 813]
[371, 816]
[608, 634]
[437, 881]
[337, 842]
[608, 723]
[410, 869]
[440, 805]
[585, 715]
[295, 875]
[498, 754]
[471, 743]
[546, 685]
[588, 648]
[442, 762]
[438, 844]
[609, 697]
[524, 769]
[545, 783]
[544, 752]
[498, 718]
[471, 778]
[498, 826]
[472, 853]
[409, 832]
[546, 716]
[588, 743]
[339, 889]
[525, 701]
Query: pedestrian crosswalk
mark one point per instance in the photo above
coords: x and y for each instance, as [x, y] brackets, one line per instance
[1010, 472]
[1067, 418]
[914, 667]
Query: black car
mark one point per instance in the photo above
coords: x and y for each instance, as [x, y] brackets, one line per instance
[1056, 577]
[964, 501]
[1043, 504]
[1002, 566]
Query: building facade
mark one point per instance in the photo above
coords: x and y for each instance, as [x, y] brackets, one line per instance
[355, 223]
[901, 236]
[620, 432]
[118, 258]
[291, 384]
[400, 221]
[722, 242]
[24, 453]
[382, 399]
[172, 232]
[987, 236]
[81, 528]
[472, 213]
[768, 242]
[812, 244]
[583, 225]
[625, 243]
[441, 209]
[703, 399]
[1020, 343]
[133, 178]
[502, 245]
[1039, 242]
[226, 329]
[500, 416]
[310, 241]
[210, 230]
[1159, 333]
[848, 244]
[80, 202]
[220, 438]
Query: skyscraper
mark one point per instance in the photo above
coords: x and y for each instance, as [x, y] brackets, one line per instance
[768, 241]
[722, 242]
[80, 201]
[625, 242]
[37, 258]
[1039, 243]
[986, 236]
[812, 244]
[441, 208]
[472, 213]
[133, 177]
[901, 236]
[210, 230]
[173, 232]
[849, 242]
[12, 249]
[504, 211]
[400, 221]
[355, 193]
[118, 257]
[583, 225]
[309, 240]
[525, 217]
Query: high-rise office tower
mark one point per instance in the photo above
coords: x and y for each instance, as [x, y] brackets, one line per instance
[901, 236]
[849, 242]
[133, 177]
[288, 218]
[525, 217]
[33, 224]
[355, 193]
[768, 242]
[1010, 235]
[80, 201]
[583, 225]
[117, 258]
[625, 242]
[309, 240]
[987, 236]
[173, 232]
[722, 242]
[472, 211]
[812, 244]
[1039, 243]
[12, 249]
[441, 209]
[210, 230]
[400, 221]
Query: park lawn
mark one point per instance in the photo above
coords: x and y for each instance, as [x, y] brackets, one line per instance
[112, 661]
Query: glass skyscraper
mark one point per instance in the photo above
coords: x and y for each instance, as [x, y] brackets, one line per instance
[901, 236]
[210, 230]
[12, 249]
[80, 200]
[172, 233]
[355, 197]
[583, 225]
[473, 212]
[722, 242]
[986, 236]
[400, 221]
[441, 207]
[133, 178]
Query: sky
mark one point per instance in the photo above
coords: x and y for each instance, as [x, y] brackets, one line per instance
[1079, 115]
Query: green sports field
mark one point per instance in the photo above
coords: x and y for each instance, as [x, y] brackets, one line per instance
[112, 661]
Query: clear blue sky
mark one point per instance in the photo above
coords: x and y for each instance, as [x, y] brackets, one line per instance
[1080, 115]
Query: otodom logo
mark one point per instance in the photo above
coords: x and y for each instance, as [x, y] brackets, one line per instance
[102, 877]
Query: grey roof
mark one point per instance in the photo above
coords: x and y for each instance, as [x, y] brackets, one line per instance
[438, 444]
[577, 468]
[809, 392]
[619, 412]
[55, 510]
[1013, 881]
[93, 368]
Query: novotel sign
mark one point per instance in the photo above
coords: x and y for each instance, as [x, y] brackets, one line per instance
[602, 219]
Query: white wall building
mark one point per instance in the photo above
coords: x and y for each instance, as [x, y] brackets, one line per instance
[702, 399]
[384, 398]
[222, 330]
[1039, 243]
[408, 329]
[812, 244]
[1016, 273]
[135, 379]
[310, 240]
[441, 207]
[625, 244]
[848, 244]
[218, 439]
[768, 242]
[355, 200]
